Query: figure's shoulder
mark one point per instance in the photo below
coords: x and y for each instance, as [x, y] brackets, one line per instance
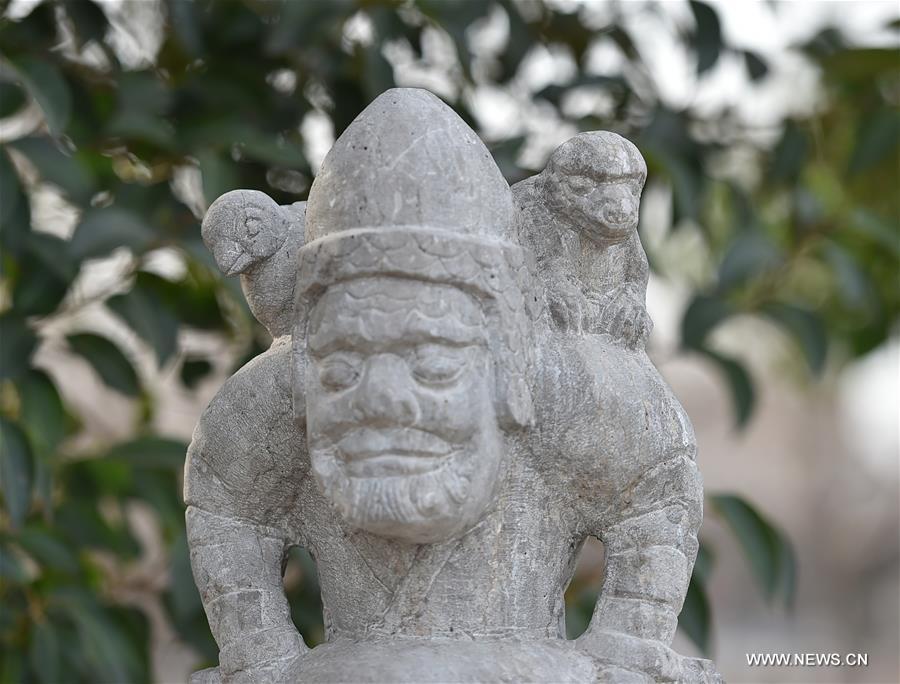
[247, 445]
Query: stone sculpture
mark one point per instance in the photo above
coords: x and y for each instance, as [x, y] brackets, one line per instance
[460, 399]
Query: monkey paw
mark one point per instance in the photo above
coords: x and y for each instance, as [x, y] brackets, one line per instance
[568, 305]
[624, 318]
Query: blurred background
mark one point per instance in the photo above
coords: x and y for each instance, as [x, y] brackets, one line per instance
[771, 218]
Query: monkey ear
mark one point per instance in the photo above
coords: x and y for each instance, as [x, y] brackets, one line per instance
[515, 408]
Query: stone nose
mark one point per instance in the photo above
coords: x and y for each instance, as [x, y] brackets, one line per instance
[383, 396]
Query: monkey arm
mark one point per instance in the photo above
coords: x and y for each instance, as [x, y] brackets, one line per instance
[237, 567]
[650, 553]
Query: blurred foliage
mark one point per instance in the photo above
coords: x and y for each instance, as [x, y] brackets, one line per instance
[807, 240]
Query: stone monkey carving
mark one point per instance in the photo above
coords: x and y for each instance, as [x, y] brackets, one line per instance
[580, 217]
[439, 444]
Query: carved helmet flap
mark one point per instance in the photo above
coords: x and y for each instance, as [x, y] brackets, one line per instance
[409, 191]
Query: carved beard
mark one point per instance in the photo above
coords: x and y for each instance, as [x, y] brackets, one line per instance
[419, 507]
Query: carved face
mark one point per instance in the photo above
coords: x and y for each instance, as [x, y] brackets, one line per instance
[605, 209]
[402, 433]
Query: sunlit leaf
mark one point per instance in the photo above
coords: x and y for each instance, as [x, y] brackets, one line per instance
[111, 364]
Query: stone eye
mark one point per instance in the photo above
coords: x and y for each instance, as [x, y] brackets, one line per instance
[338, 373]
[436, 365]
[580, 185]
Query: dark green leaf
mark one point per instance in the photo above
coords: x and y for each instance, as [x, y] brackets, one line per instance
[695, 618]
[704, 563]
[192, 372]
[103, 230]
[16, 470]
[44, 275]
[45, 653]
[18, 343]
[89, 20]
[806, 327]
[151, 452]
[708, 36]
[80, 523]
[12, 98]
[750, 256]
[743, 396]
[219, 174]
[15, 212]
[48, 87]
[756, 67]
[110, 363]
[767, 549]
[702, 315]
[10, 567]
[42, 412]
[876, 140]
[47, 550]
[145, 313]
[789, 155]
[63, 169]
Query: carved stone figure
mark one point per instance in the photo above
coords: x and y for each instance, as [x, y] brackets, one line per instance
[434, 431]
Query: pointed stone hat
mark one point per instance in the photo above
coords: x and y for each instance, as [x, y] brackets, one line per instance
[409, 191]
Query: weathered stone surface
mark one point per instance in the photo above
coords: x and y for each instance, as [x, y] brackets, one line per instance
[457, 398]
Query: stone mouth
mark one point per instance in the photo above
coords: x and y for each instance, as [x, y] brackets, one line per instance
[368, 452]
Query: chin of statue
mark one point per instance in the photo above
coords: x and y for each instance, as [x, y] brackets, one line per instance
[414, 498]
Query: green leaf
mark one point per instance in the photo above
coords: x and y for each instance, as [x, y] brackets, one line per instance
[695, 618]
[18, 343]
[47, 550]
[750, 256]
[42, 412]
[78, 520]
[708, 36]
[110, 363]
[703, 314]
[64, 169]
[807, 328]
[46, 84]
[10, 567]
[15, 471]
[876, 140]
[103, 230]
[756, 66]
[151, 452]
[768, 551]
[44, 652]
[192, 372]
[145, 313]
[704, 563]
[743, 395]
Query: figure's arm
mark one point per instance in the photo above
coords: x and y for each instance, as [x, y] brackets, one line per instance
[650, 551]
[237, 566]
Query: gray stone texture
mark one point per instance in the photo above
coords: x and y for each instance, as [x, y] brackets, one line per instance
[456, 397]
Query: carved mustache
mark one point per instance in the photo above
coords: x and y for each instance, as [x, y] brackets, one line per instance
[365, 443]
